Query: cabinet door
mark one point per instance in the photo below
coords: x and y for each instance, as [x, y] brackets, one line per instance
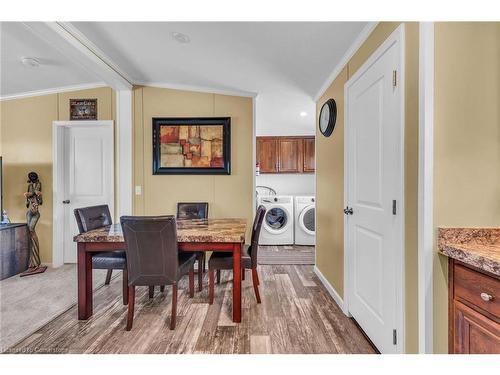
[475, 333]
[309, 160]
[267, 154]
[290, 155]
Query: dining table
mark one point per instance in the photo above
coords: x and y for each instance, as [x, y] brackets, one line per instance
[192, 235]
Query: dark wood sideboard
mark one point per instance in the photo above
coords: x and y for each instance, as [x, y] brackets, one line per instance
[474, 310]
[14, 249]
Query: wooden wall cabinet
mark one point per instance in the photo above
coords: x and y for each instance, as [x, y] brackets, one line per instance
[290, 155]
[474, 310]
[267, 154]
[309, 155]
[286, 154]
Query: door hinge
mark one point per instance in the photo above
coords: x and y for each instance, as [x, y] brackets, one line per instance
[394, 209]
[394, 337]
[394, 78]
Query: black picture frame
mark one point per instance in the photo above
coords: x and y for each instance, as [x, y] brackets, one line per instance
[225, 122]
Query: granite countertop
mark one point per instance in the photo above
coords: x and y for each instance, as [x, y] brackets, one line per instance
[200, 230]
[478, 247]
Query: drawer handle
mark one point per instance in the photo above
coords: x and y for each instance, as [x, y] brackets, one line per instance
[486, 297]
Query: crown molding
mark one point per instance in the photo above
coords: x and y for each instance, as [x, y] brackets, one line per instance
[205, 89]
[361, 38]
[55, 90]
[86, 86]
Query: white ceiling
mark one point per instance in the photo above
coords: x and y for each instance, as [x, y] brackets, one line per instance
[17, 41]
[285, 63]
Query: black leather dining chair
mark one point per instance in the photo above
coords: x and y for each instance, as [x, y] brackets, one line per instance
[195, 210]
[153, 258]
[94, 217]
[224, 260]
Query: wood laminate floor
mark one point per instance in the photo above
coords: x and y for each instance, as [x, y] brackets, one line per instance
[283, 254]
[296, 316]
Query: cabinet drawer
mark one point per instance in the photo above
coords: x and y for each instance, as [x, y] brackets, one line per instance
[470, 285]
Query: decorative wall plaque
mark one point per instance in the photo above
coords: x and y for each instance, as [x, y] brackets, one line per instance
[83, 109]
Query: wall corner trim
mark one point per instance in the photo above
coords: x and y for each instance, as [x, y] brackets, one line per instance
[196, 88]
[331, 290]
[358, 42]
[124, 137]
[53, 90]
[426, 188]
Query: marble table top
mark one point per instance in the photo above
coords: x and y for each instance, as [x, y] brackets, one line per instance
[199, 230]
[478, 247]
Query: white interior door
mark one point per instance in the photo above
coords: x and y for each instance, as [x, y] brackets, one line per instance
[88, 176]
[374, 192]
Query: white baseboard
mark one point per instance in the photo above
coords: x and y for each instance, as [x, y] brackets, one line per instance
[336, 297]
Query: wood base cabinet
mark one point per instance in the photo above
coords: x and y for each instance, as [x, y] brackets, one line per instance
[474, 310]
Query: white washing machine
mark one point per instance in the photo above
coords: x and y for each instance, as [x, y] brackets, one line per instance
[305, 226]
[277, 228]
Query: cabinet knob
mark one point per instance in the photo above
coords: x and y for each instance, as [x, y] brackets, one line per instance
[486, 297]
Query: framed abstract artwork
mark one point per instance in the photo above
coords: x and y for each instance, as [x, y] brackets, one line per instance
[192, 145]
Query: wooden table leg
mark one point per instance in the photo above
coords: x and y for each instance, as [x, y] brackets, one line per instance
[84, 270]
[237, 282]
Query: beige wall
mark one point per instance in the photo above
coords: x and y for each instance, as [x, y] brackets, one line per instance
[330, 175]
[466, 141]
[228, 196]
[26, 145]
[330, 191]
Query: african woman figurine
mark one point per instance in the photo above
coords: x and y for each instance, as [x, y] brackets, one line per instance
[33, 199]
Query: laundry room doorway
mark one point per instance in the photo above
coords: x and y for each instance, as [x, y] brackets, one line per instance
[285, 186]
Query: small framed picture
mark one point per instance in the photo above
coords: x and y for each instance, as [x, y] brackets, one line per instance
[83, 109]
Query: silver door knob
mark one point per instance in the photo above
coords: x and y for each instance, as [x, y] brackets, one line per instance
[486, 297]
[348, 210]
[66, 201]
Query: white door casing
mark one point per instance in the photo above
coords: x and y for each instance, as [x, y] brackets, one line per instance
[374, 251]
[83, 175]
[425, 187]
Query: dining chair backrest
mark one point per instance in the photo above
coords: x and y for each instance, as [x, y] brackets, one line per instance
[257, 226]
[152, 252]
[92, 217]
[193, 210]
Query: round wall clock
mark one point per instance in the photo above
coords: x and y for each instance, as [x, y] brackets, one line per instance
[328, 117]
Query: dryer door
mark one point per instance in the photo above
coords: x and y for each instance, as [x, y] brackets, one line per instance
[307, 220]
[277, 219]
